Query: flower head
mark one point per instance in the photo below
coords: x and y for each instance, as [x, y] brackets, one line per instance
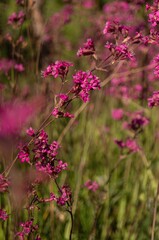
[87, 49]
[57, 69]
[84, 83]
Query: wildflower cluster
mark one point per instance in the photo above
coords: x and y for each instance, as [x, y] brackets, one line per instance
[16, 19]
[45, 155]
[84, 83]
[87, 49]
[57, 69]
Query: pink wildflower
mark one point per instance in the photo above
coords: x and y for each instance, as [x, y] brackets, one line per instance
[92, 185]
[16, 18]
[65, 196]
[117, 114]
[3, 184]
[57, 69]
[87, 49]
[23, 155]
[153, 101]
[30, 131]
[27, 228]
[19, 67]
[3, 215]
[84, 83]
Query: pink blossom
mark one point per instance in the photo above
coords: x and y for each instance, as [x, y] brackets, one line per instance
[92, 185]
[68, 115]
[27, 228]
[4, 183]
[63, 97]
[87, 49]
[23, 154]
[84, 83]
[117, 114]
[153, 101]
[120, 51]
[129, 144]
[65, 196]
[3, 215]
[30, 131]
[6, 65]
[19, 67]
[16, 18]
[57, 69]
[15, 115]
[55, 112]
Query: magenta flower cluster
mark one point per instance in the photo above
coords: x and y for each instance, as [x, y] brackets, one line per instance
[3, 215]
[57, 69]
[84, 83]
[16, 18]
[7, 65]
[130, 145]
[153, 101]
[120, 52]
[87, 49]
[45, 154]
[27, 228]
[91, 185]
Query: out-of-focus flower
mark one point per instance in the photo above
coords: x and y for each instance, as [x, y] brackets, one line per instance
[153, 101]
[3, 215]
[19, 67]
[120, 51]
[116, 28]
[16, 18]
[91, 185]
[65, 196]
[27, 228]
[20, 2]
[138, 121]
[23, 154]
[4, 183]
[14, 116]
[87, 49]
[7, 65]
[30, 131]
[88, 4]
[129, 144]
[117, 114]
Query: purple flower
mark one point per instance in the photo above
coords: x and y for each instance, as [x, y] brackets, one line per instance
[57, 69]
[65, 196]
[16, 18]
[153, 101]
[30, 131]
[120, 51]
[19, 67]
[63, 97]
[27, 228]
[3, 215]
[84, 83]
[115, 28]
[68, 115]
[117, 114]
[87, 49]
[6, 65]
[3, 184]
[129, 144]
[138, 121]
[23, 154]
[91, 185]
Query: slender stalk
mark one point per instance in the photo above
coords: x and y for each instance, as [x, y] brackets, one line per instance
[154, 214]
